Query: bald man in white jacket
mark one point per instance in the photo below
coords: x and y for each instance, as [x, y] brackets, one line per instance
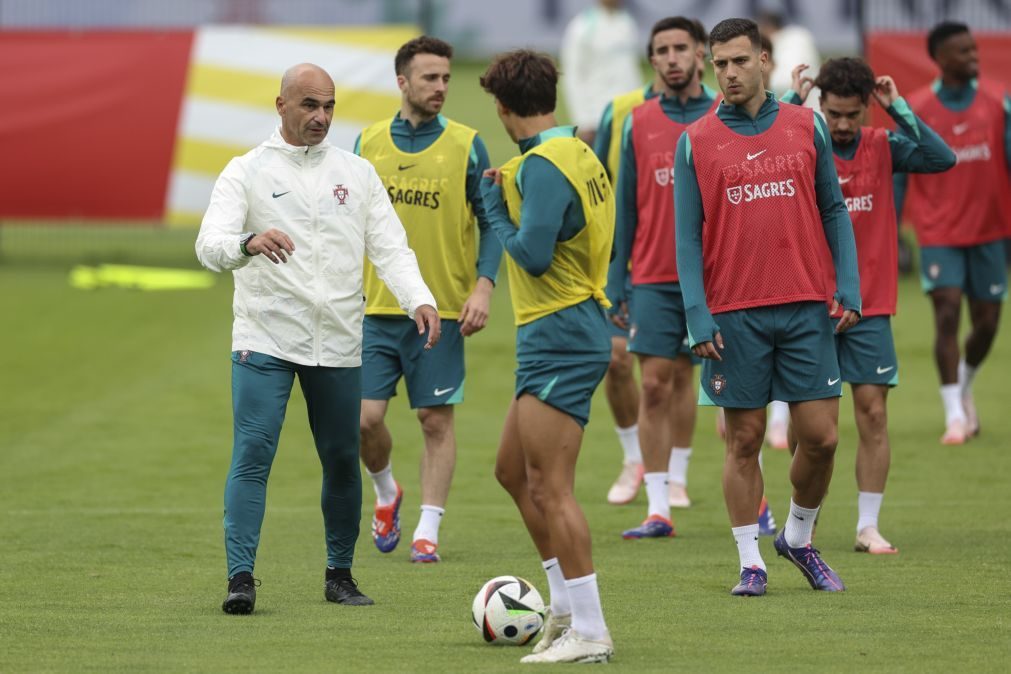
[293, 220]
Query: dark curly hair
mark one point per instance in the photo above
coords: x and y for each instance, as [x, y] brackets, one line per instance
[524, 81]
[846, 77]
[420, 45]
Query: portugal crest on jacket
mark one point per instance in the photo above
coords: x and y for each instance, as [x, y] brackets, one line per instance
[340, 193]
[734, 194]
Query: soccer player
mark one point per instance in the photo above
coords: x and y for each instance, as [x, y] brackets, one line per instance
[865, 159]
[961, 217]
[644, 241]
[553, 209]
[756, 199]
[294, 315]
[779, 412]
[620, 386]
[431, 167]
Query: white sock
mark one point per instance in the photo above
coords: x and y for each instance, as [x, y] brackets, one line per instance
[951, 396]
[868, 506]
[966, 375]
[587, 614]
[747, 546]
[656, 493]
[629, 439]
[677, 466]
[779, 412]
[428, 525]
[385, 486]
[560, 604]
[800, 525]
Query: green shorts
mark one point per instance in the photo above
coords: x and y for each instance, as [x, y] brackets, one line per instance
[392, 347]
[567, 386]
[979, 271]
[659, 327]
[867, 352]
[782, 352]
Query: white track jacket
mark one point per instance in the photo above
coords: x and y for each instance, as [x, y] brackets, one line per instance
[335, 209]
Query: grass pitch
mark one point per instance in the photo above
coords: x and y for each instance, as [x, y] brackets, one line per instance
[115, 432]
[116, 439]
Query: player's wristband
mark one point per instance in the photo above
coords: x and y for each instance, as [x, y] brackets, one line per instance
[246, 238]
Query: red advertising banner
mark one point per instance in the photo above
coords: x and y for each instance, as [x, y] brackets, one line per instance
[90, 122]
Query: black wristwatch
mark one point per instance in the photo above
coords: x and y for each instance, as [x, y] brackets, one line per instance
[246, 238]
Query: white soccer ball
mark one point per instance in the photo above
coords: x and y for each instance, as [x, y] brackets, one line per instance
[508, 610]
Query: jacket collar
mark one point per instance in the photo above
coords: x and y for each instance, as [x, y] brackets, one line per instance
[277, 142]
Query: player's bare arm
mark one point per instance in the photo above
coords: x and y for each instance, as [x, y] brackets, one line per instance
[474, 315]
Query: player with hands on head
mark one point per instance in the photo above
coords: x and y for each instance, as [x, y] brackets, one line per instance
[866, 158]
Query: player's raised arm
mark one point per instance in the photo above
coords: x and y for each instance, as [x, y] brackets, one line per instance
[916, 148]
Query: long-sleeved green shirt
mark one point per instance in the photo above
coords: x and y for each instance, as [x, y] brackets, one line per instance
[551, 212]
[688, 211]
[627, 211]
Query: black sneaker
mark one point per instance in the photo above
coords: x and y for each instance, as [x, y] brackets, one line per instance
[344, 590]
[241, 594]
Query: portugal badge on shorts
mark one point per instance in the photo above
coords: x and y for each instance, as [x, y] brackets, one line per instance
[934, 271]
[341, 194]
[718, 383]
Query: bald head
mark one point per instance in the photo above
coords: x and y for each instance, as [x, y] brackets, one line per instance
[305, 104]
[304, 74]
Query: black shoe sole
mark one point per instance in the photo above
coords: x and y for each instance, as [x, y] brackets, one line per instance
[237, 606]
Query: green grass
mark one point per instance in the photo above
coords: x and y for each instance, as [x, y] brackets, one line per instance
[116, 437]
[115, 433]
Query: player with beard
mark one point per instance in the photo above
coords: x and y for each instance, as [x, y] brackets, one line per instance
[619, 384]
[962, 217]
[865, 158]
[757, 199]
[431, 167]
[644, 245]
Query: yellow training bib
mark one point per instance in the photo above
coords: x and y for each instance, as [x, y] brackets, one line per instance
[621, 108]
[579, 267]
[429, 192]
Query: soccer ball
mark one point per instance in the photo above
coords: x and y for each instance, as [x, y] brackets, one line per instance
[508, 610]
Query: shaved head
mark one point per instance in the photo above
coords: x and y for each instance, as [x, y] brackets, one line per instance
[305, 104]
[304, 73]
